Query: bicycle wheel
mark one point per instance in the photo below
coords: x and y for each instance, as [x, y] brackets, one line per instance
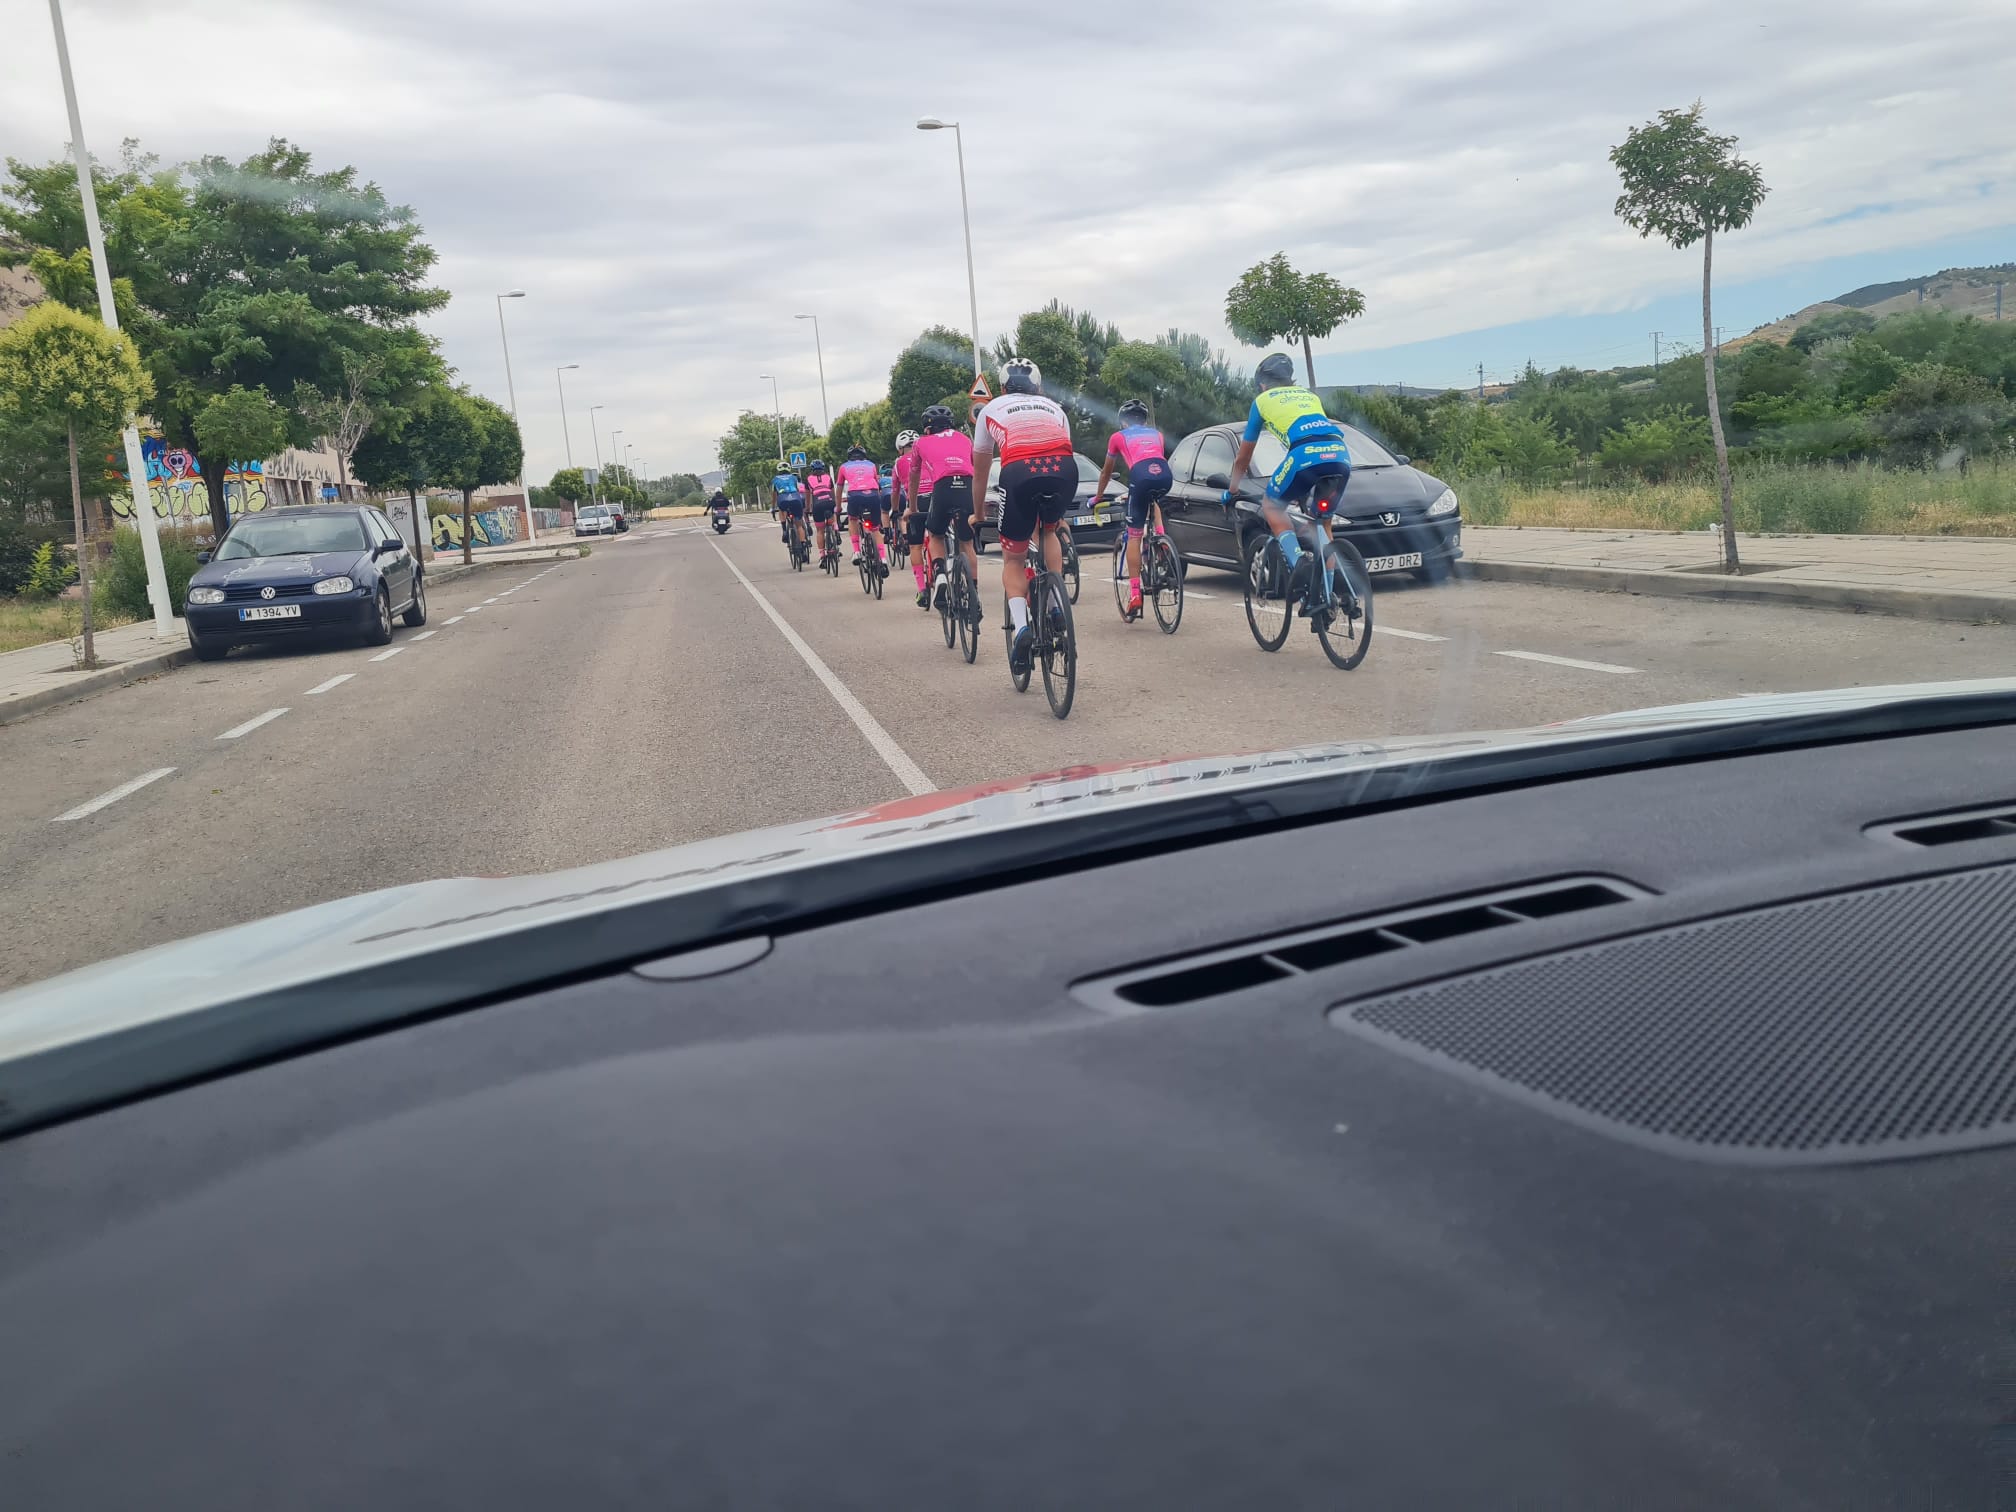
[1168, 585]
[1057, 646]
[876, 572]
[1071, 567]
[1346, 628]
[1120, 581]
[1020, 679]
[966, 611]
[945, 610]
[1268, 612]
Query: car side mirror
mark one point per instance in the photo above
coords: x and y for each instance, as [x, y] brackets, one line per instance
[1402, 458]
[1217, 480]
[202, 556]
[387, 548]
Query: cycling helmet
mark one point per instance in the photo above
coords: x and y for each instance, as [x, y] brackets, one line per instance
[1134, 412]
[905, 440]
[818, 464]
[857, 454]
[1020, 375]
[1276, 369]
[937, 418]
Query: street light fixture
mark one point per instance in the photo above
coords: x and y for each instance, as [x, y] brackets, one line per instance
[932, 123]
[566, 439]
[615, 456]
[776, 409]
[596, 436]
[825, 410]
[511, 388]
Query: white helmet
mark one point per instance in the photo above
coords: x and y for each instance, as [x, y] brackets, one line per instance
[905, 440]
[1020, 375]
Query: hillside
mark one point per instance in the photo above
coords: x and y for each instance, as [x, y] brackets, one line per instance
[1961, 291]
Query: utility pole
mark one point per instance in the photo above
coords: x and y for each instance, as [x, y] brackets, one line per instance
[1655, 352]
[1480, 383]
[1998, 301]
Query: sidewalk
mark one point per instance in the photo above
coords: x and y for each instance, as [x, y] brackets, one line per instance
[1967, 578]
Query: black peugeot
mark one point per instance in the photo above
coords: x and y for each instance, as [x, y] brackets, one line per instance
[327, 570]
[1398, 517]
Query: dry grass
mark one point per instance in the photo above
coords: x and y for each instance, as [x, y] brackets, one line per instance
[30, 622]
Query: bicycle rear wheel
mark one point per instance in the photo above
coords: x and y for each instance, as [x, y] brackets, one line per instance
[1070, 555]
[877, 571]
[1168, 582]
[1120, 580]
[1268, 612]
[1020, 679]
[966, 611]
[944, 608]
[1057, 646]
[1346, 628]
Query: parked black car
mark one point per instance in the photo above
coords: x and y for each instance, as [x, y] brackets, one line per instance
[282, 573]
[1398, 517]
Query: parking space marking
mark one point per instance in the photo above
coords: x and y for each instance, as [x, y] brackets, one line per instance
[387, 655]
[251, 724]
[114, 796]
[1420, 635]
[456, 621]
[423, 635]
[337, 680]
[1569, 661]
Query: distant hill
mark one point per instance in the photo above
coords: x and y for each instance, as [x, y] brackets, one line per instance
[1960, 291]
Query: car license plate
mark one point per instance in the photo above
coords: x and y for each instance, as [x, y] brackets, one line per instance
[1393, 563]
[271, 611]
[1097, 517]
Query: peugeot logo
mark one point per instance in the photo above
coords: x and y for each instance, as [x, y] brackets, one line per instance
[265, 593]
[1389, 518]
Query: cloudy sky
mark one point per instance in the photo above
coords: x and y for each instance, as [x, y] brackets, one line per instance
[672, 182]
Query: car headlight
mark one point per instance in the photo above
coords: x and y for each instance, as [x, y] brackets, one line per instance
[1445, 504]
[206, 595]
[335, 585]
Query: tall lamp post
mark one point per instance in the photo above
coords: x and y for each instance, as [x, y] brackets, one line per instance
[101, 273]
[777, 410]
[511, 388]
[825, 410]
[596, 436]
[615, 454]
[932, 123]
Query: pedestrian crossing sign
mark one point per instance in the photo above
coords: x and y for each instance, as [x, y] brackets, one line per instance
[797, 459]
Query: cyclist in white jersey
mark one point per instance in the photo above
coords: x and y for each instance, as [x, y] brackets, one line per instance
[1039, 478]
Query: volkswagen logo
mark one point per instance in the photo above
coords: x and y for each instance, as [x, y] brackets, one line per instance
[1389, 518]
[265, 593]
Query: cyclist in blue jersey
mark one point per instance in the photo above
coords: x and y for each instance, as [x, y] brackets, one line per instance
[1318, 461]
[789, 495]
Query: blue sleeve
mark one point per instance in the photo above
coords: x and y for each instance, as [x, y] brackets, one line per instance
[1254, 424]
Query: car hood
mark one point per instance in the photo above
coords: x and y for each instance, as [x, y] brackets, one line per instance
[305, 567]
[1376, 488]
[260, 988]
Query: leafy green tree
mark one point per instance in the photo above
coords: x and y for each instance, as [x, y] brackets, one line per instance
[1050, 340]
[393, 454]
[1531, 450]
[1829, 326]
[239, 425]
[65, 367]
[1863, 370]
[471, 443]
[749, 449]
[938, 362]
[1272, 301]
[571, 484]
[1659, 447]
[871, 426]
[1933, 410]
[1682, 183]
[1397, 421]
[1142, 370]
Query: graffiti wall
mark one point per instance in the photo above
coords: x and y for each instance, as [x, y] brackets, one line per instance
[487, 527]
[175, 484]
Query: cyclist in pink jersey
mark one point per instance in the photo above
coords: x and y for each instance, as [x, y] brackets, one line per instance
[819, 485]
[861, 484]
[945, 477]
[1138, 448]
[1039, 478]
[904, 506]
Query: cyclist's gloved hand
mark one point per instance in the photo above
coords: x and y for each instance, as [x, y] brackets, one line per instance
[1226, 497]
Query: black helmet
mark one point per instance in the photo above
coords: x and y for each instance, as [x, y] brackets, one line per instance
[1020, 375]
[1275, 369]
[857, 454]
[1134, 410]
[818, 464]
[937, 418]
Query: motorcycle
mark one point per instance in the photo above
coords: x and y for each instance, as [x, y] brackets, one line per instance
[720, 522]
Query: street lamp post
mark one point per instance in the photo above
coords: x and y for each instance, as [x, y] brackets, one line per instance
[932, 123]
[101, 272]
[511, 388]
[566, 437]
[825, 410]
[596, 436]
[777, 410]
[615, 455]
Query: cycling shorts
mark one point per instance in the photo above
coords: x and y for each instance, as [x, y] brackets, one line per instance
[1306, 465]
[822, 511]
[1147, 483]
[913, 527]
[865, 507]
[795, 507]
[952, 506]
[1035, 489]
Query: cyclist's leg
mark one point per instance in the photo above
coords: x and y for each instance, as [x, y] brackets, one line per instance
[1018, 525]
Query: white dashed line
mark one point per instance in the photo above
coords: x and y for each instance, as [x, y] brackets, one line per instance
[423, 635]
[1420, 635]
[387, 655]
[491, 600]
[336, 681]
[114, 796]
[251, 724]
[456, 621]
[473, 609]
[1569, 661]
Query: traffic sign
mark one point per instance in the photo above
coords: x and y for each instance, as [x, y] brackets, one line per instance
[797, 459]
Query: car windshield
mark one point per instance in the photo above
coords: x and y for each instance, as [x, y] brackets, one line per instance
[297, 535]
[1268, 452]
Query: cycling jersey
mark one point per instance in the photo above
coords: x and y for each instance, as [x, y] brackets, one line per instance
[1021, 427]
[900, 477]
[860, 477]
[785, 486]
[1292, 413]
[821, 485]
[1135, 444]
[943, 454]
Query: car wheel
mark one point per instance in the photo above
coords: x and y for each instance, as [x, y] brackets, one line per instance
[416, 612]
[208, 650]
[381, 620]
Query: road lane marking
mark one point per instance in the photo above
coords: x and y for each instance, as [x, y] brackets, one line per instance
[1420, 635]
[490, 600]
[456, 621]
[907, 771]
[423, 635]
[1569, 661]
[251, 724]
[474, 609]
[336, 681]
[114, 796]
[387, 655]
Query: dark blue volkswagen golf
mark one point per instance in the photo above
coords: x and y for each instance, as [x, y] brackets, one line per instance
[334, 570]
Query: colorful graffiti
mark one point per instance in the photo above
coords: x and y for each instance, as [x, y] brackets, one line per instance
[175, 484]
[487, 527]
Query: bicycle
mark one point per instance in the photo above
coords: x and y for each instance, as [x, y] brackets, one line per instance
[870, 567]
[1056, 636]
[1070, 549]
[1161, 580]
[1337, 600]
[796, 545]
[959, 608]
[829, 550]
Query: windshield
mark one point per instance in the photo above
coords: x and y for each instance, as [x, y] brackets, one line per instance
[297, 536]
[393, 261]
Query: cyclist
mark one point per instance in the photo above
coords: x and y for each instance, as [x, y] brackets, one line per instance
[819, 485]
[1138, 448]
[1317, 452]
[862, 484]
[911, 510]
[788, 499]
[1039, 478]
[944, 475]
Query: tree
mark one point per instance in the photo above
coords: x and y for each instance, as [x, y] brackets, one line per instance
[571, 484]
[870, 426]
[395, 452]
[1682, 183]
[1050, 340]
[341, 418]
[1141, 370]
[1659, 447]
[1933, 410]
[498, 455]
[64, 366]
[240, 425]
[938, 362]
[749, 449]
[1272, 300]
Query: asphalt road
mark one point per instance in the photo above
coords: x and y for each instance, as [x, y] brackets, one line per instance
[650, 694]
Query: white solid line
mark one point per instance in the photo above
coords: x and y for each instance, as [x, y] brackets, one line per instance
[423, 635]
[1569, 661]
[337, 680]
[907, 771]
[386, 655]
[115, 795]
[251, 724]
[456, 621]
[1420, 635]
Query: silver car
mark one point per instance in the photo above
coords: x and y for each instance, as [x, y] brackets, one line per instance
[594, 519]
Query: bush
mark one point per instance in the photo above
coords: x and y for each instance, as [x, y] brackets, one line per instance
[49, 573]
[121, 582]
[17, 556]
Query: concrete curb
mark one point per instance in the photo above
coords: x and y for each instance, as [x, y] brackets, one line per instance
[1854, 598]
[100, 681]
